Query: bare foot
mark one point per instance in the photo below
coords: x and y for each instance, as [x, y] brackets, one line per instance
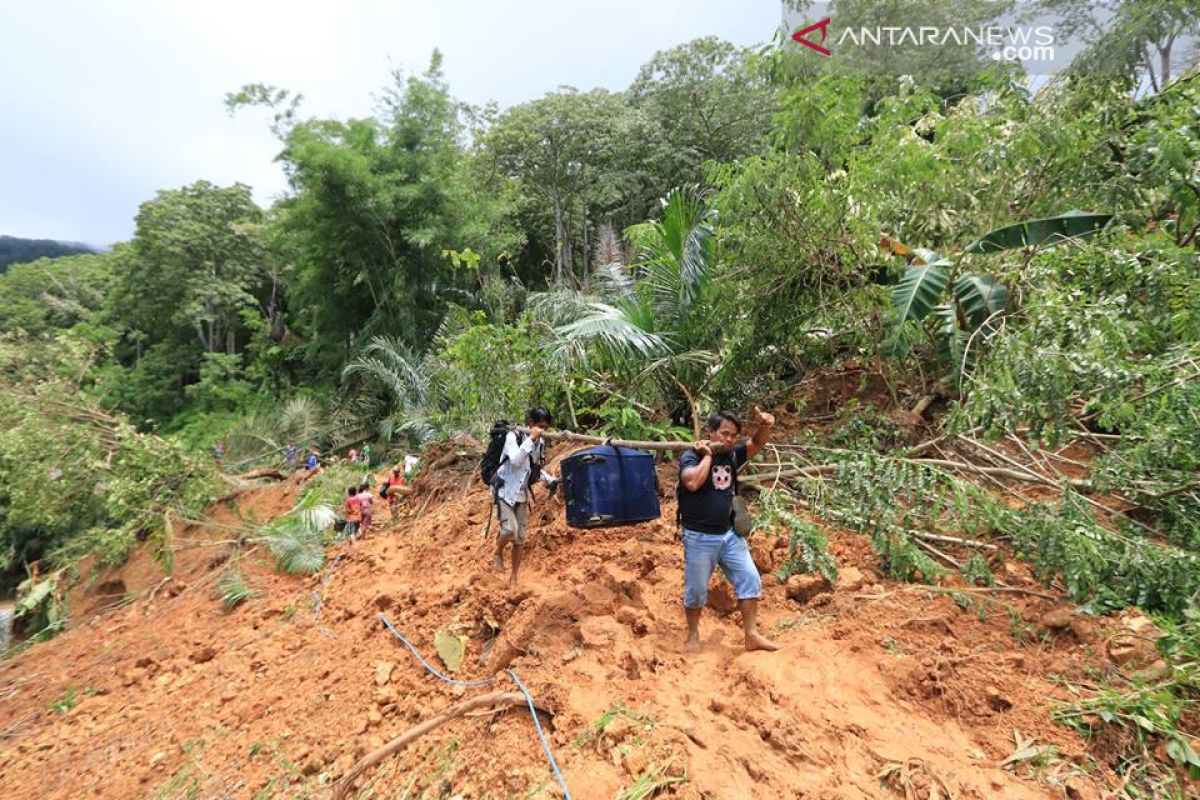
[692, 645]
[756, 641]
[498, 563]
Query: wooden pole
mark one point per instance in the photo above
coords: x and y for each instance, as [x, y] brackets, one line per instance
[568, 436]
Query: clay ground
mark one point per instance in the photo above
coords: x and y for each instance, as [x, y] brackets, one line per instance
[879, 689]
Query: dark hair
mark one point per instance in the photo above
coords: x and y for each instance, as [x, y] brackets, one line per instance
[540, 415]
[715, 420]
[350, 492]
[364, 487]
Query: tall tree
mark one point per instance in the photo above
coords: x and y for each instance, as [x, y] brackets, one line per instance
[188, 289]
[375, 203]
[1131, 39]
[558, 148]
[708, 101]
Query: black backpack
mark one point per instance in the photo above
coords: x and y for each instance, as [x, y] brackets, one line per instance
[493, 457]
[495, 451]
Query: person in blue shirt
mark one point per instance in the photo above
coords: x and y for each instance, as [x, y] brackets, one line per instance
[312, 461]
[708, 481]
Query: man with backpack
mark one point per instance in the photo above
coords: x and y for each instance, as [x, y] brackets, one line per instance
[707, 488]
[518, 462]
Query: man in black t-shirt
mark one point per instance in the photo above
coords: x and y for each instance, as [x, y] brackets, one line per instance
[707, 483]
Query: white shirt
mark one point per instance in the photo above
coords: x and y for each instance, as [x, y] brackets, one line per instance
[515, 466]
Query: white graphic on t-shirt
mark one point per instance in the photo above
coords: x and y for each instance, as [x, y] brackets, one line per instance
[722, 475]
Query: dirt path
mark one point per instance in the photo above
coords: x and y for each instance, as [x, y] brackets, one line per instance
[174, 698]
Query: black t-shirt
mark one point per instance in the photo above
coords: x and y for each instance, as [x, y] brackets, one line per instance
[708, 508]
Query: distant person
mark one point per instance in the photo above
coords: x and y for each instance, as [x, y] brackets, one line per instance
[312, 461]
[289, 456]
[352, 456]
[353, 511]
[707, 485]
[218, 451]
[394, 489]
[520, 466]
[365, 455]
[366, 500]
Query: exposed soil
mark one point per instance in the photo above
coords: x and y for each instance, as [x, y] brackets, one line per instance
[879, 689]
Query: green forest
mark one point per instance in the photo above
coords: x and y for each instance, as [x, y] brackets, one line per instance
[1012, 264]
[14, 250]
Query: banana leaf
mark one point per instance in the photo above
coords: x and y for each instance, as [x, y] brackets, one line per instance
[1071, 225]
[920, 290]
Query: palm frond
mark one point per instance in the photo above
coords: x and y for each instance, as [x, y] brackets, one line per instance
[677, 253]
[611, 280]
[300, 419]
[612, 329]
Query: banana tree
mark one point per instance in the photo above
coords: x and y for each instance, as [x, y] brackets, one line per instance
[975, 301]
[969, 308]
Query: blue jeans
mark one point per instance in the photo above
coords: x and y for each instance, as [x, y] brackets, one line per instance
[702, 552]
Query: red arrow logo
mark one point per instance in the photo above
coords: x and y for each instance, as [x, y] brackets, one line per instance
[823, 25]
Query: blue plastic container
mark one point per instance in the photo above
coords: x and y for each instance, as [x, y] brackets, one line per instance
[609, 486]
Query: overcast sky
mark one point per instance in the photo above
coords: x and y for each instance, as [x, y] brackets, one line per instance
[105, 102]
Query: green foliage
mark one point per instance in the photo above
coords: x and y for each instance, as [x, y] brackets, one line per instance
[1108, 569]
[652, 781]
[919, 290]
[14, 250]
[65, 703]
[660, 328]
[190, 295]
[50, 294]
[808, 548]
[977, 572]
[1040, 232]
[591, 735]
[232, 589]
[73, 477]
[863, 426]
[45, 604]
[889, 499]
[620, 420]
[297, 539]
[1151, 711]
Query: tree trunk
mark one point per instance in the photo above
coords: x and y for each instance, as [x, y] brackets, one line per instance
[586, 271]
[559, 238]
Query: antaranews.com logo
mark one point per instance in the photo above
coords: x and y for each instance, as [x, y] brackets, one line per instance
[919, 28]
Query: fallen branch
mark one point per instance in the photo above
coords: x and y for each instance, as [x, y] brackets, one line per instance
[341, 788]
[989, 590]
[261, 473]
[925, 402]
[933, 551]
[445, 460]
[1187, 487]
[929, 537]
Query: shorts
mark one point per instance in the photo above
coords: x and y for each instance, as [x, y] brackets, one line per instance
[513, 521]
[366, 519]
[702, 552]
[351, 529]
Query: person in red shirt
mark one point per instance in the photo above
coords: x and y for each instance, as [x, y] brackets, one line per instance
[353, 510]
[394, 488]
